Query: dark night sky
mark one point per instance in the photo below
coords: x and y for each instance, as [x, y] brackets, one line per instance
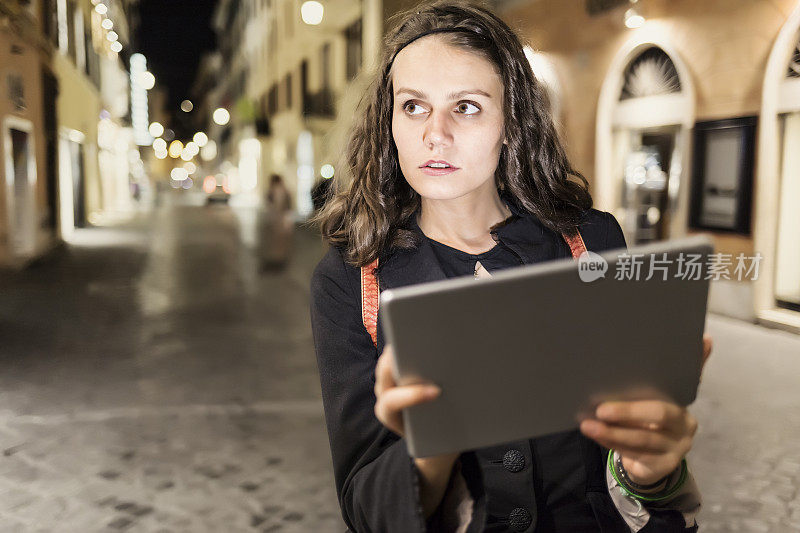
[173, 35]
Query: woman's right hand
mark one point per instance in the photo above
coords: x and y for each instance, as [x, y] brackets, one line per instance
[391, 398]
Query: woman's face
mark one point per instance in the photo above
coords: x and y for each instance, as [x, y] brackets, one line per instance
[448, 111]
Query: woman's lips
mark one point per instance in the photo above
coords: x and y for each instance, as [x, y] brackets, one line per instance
[430, 171]
[440, 167]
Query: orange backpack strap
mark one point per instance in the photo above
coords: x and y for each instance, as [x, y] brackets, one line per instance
[575, 242]
[369, 300]
[370, 294]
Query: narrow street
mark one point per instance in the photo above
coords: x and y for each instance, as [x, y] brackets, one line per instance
[154, 380]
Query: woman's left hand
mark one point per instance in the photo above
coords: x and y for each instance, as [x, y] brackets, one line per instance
[651, 436]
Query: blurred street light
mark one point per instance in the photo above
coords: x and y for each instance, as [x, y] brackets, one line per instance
[326, 171]
[221, 116]
[112, 36]
[179, 174]
[116, 47]
[633, 19]
[156, 129]
[147, 80]
[192, 148]
[107, 24]
[312, 12]
[209, 151]
[160, 145]
[101, 8]
[175, 149]
[161, 154]
[200, 138]
[187, 106]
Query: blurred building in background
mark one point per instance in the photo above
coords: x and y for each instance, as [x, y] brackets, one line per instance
[69, 153]
[283, 75]
[78, 106]
[96, 145]
[28, 197]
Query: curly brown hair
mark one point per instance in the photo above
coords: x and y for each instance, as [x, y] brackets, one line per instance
[368, 213]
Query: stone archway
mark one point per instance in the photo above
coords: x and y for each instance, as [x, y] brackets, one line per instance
[777, 97]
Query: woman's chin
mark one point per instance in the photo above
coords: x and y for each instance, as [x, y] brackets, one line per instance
[444, 192]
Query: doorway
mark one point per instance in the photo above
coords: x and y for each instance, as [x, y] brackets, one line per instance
[647, 166]
[787, 264]
[20, 185]
[78, 188]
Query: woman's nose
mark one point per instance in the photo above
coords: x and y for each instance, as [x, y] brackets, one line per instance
[437, 130]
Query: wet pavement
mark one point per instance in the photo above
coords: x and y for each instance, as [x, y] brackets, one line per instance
[154, 379]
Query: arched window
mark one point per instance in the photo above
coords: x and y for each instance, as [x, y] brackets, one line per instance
[650, 74]
[645, 113]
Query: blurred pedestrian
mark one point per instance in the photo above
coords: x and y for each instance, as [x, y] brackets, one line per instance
[277, 228]
[457, 170]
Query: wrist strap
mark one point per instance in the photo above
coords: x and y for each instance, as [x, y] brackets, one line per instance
[665, 494]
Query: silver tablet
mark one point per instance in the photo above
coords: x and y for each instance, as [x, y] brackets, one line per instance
[533, 349]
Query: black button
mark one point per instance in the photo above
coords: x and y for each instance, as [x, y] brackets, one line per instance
[513, 460]
[520, 519]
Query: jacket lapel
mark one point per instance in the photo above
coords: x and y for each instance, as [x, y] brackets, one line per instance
[406, 267]
[409, 267]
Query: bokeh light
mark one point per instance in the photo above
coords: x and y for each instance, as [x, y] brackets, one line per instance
[221, 116]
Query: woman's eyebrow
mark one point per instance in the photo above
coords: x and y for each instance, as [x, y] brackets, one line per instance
[451, 96]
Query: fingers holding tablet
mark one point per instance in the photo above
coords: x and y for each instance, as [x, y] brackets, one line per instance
[651, 436]
[391, 398]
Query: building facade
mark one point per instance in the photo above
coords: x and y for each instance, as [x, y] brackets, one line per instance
[286, 78]
[683, 120]
[28, 196]
[98, 160]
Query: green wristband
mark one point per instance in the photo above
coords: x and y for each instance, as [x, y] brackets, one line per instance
[666, 494]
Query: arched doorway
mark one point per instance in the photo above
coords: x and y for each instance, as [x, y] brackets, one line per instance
[777, 289]
[645, 114]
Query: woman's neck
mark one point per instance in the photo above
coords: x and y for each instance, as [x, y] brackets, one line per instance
[463, 223]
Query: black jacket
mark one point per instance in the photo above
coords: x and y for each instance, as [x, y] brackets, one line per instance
[375, 478]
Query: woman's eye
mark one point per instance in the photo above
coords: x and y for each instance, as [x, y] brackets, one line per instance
[467, 108]
[413, 109]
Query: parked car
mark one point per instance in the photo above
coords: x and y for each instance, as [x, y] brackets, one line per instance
[218, 196]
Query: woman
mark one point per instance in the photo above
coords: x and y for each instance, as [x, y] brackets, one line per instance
[457, 170]
[277, 228]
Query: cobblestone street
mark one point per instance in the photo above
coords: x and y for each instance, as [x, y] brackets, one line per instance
[153, 379]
